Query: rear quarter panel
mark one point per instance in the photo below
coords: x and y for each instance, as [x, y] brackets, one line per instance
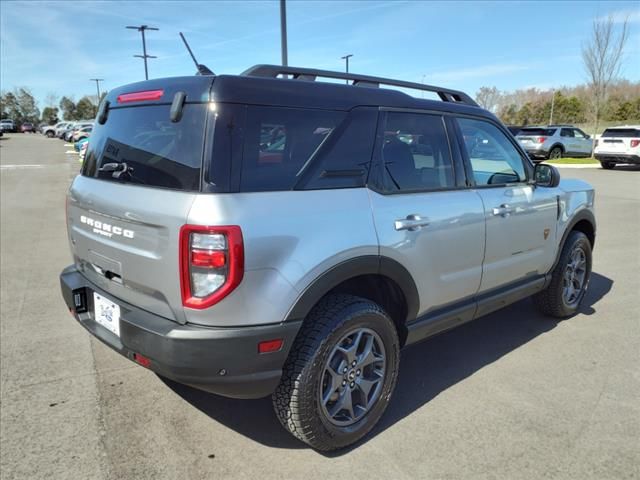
[290, 239]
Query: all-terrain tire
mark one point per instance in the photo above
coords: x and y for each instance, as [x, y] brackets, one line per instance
[551, 301]
[297, 400]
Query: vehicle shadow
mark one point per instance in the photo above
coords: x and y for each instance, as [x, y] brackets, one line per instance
[426, 370]
[628, 167]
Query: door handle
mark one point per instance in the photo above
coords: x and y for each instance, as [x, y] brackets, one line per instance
[412, 223]
[503, 210]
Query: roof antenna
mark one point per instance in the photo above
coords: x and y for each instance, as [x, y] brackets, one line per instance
[202, 69]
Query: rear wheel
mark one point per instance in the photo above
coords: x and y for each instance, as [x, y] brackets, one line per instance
[555, 153]
[569, 280]
[607, 165]
[50, 134]
[340, 374]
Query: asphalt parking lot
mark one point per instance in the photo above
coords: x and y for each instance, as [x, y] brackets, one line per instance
[512, 395]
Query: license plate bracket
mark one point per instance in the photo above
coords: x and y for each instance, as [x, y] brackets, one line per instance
[106, 313]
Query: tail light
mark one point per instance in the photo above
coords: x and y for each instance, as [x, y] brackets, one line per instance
[541, 139]
[211, 263]
[635, 142]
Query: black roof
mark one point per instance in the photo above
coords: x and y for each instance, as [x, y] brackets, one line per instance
[264, 85]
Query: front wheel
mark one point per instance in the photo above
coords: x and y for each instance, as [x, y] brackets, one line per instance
[340, 374]
[569, 279]
[607, 165]
[50, 134]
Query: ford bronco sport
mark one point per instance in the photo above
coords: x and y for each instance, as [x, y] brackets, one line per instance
[270, 233]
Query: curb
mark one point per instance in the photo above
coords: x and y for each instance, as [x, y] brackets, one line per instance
[575, 165]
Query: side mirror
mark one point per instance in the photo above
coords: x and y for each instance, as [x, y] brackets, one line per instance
[545, 175]
[588, 136]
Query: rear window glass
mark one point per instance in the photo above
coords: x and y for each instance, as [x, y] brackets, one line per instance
[279, 142]
[545, 132]
[621, 132]
[157, 152]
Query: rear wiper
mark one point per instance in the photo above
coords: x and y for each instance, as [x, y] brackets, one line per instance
[117, 169]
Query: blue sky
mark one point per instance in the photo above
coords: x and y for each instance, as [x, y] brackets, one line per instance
[55, 47]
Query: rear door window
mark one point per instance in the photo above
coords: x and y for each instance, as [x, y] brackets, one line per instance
[416, 153]
[622, 133]
[157, 152]
[279, 142]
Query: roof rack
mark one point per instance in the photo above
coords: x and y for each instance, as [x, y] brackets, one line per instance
[310, 74]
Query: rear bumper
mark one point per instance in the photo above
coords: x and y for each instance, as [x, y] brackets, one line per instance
[224, 361]
[618, 157]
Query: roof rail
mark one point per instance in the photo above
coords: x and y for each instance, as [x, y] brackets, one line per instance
[310, 74]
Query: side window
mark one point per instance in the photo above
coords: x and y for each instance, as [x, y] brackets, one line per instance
[494, 159]
[415, 153]
[566, 132]
[579, 133]
[279, 141]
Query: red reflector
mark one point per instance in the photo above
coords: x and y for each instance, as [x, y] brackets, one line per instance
[208, 258]
[142, 360]
[140, 96]
[635, 143]
[270, 345]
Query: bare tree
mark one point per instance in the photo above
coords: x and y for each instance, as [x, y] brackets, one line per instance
[602, 56]
[487, 97]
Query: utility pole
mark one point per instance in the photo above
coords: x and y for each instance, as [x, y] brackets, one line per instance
[144, 56]
[97, 80]
[346, 59]
[553, 101]
[283, 32]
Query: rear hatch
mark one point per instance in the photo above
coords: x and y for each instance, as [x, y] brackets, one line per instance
[139, 179]
[619, 140]
[532, 136]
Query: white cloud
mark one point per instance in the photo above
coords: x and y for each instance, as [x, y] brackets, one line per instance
[619, 16]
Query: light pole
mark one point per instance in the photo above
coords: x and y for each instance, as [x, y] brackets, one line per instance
[346, 59]
[283, 32]
[97, 80]
[144, 55]
[553, 101]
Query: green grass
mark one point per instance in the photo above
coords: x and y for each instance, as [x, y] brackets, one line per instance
[571, 161]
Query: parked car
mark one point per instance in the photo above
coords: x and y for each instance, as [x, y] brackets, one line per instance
[50, 130]
[618, 145]
[68, 135]
[78, 145]
[302, 276]
[27, 128]
[554, 142]
[83, 149]
[7, 125]
[83, 132]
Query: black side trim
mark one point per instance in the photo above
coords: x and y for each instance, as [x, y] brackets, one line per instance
[365, 265]
[501, 297]
[462, 312]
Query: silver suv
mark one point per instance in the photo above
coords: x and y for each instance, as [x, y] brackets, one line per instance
[254, 235]
[555, 141]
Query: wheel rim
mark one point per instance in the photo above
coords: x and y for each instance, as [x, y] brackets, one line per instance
[575, 276]
[556, 153]
[353, 377]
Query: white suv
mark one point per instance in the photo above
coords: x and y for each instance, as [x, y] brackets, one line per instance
[618, 145]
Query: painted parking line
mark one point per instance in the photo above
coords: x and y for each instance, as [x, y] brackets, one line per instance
[19, 167]
[71, 151]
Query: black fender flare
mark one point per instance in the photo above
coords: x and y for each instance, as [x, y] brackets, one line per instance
[583, 214]
[355, 267]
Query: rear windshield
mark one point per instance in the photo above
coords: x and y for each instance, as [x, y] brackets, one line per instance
[621, 132]
[157, 152]
[545, 132]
